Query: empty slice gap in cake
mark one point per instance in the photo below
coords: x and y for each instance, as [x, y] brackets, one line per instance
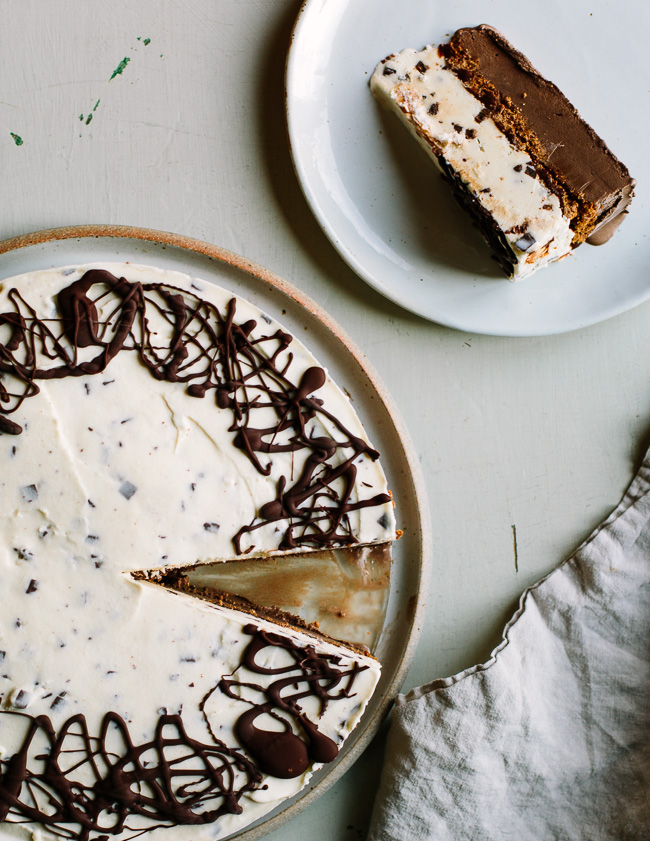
[341, 594]
[536, 178]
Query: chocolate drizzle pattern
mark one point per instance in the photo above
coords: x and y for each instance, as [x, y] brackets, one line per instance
[204, 350]
[89, 788]
[286, 753]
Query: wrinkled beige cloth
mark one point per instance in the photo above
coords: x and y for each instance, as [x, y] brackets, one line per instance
[550, 739]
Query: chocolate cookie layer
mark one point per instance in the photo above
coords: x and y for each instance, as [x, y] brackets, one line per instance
[593, 185]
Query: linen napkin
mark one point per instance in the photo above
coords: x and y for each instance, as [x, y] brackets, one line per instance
[550, 739]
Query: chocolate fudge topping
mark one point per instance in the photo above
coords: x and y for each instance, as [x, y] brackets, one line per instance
[594, 186]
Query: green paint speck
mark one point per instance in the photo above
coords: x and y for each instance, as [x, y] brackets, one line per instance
[146, 42]
[120, 68]
[89, 118]
[96, 104]
[17, 138]
[81, 118]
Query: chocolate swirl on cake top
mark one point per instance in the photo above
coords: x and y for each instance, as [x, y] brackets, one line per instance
[285, 753]
[89, 788]
[204, 350]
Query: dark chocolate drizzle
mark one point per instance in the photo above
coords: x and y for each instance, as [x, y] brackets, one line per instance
[207, 350]
[289, 752]
[89, 788]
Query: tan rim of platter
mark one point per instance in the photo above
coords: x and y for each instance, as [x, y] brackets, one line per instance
[419, 527]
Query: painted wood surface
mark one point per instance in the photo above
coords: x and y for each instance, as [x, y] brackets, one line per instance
[170, 115]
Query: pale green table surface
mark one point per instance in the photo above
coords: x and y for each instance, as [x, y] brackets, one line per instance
[189, 136]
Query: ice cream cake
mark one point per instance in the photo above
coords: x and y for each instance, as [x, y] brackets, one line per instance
[151, 421]
[536, 178]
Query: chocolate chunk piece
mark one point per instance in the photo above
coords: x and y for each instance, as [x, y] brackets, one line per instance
[127, 489]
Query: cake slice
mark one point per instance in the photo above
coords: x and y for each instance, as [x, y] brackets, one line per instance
[536, 178]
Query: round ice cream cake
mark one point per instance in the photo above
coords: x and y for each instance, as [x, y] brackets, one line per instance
[152, 421]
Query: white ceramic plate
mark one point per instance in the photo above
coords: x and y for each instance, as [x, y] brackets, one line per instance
[384, 206]
[411, 554]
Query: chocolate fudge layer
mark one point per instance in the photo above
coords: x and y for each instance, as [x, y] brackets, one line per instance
[535, 176]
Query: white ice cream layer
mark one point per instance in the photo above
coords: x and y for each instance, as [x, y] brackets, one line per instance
[442, 114]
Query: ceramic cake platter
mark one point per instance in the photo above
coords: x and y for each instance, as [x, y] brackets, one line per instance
[178, 265]
[383, 204]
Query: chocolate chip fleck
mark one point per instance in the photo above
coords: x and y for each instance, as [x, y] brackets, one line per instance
[525, 242]
[29, 493]
[32, 587]
[457, 127]
[383, 521]
[470, 133]
[21, 700]
[389, 71]
[59, 700]
[212, 527]
[421, 67]
[127, 489]
[518, 168]
[92, 538]
[434, 108]
[482, 115]
[530, 170]
[23, 554]
[486, 190]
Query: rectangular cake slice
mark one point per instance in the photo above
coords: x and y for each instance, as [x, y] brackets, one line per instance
[536, 178]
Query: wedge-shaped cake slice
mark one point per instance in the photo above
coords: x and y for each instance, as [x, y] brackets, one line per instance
[150, 420]
[537, 180]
